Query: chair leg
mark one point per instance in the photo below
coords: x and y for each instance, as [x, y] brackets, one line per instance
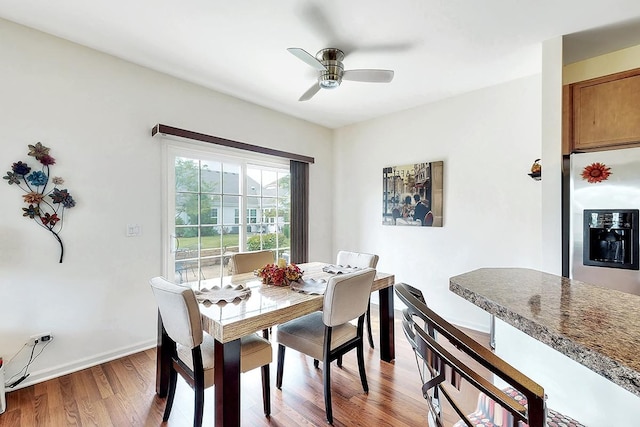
[266, 390]
[280, 366]
[173, 379]
[326, 378]
[199, 407]
[363, 374]
[369, 326]
[316, 363]
[339, 361]
[198, 387]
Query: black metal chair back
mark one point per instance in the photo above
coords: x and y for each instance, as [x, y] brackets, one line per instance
[441, 367]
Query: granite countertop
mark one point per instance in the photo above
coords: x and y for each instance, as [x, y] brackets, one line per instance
[595, 326]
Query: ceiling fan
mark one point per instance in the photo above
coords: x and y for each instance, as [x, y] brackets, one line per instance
[328, 62]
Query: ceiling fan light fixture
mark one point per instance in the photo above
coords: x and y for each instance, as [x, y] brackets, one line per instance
[329, 82]
[331, 76]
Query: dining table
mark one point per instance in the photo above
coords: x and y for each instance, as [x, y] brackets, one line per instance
[264, 307]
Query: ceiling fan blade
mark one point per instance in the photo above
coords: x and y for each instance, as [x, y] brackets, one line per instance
[310, 92]
[321, 21]
[307, 57]
[371, 76]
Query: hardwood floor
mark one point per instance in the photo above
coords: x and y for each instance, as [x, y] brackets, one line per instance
[122, 393]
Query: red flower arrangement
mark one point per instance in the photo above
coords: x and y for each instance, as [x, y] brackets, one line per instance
[596, 172]
[279, 274]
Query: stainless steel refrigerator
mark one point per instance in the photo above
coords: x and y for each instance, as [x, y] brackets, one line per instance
[604, 218]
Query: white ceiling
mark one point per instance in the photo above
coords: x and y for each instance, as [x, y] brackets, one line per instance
[438, 48]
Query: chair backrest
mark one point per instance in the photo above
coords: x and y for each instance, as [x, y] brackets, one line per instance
[356, 259]
[443, 365]
[179, 311]
[246, 262]
[347, 296]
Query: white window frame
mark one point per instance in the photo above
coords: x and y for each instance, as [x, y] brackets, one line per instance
[174, 148]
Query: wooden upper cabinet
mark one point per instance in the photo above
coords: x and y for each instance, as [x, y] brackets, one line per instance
[604, 112]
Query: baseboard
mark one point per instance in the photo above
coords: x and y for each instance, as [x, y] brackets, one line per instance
[78, 365]
[479, 327]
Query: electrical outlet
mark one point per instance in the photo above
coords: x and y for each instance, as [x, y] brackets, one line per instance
[39, 338]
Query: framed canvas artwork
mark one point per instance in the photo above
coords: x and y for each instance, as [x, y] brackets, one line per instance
[412, 195]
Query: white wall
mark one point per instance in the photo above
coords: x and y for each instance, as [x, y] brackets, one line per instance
[488, 140]
[96, 112]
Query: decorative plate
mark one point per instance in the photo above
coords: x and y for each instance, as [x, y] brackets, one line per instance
[339, 269]
[228, 293]
[310, 286]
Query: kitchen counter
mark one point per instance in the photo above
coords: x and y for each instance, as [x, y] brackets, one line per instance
[595, 326]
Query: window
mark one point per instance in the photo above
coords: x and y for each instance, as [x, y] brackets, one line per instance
[252, 216]
[207, 192]
[268, 209]
[214, 215]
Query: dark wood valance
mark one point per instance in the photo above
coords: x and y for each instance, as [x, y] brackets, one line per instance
[196, 136]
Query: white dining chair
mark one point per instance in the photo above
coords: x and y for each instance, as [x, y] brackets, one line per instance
[328, 334]
[246, 262]
[360, 260]
[193, 353]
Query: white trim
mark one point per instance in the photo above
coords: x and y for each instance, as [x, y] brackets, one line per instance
[80, 364]
[166, 245]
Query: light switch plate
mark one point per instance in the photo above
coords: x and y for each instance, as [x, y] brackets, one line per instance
[134, 230]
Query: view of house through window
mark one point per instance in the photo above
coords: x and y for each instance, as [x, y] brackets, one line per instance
[209, 227]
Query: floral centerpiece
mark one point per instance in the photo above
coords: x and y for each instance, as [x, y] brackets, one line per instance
[46, 206]
[279, 274]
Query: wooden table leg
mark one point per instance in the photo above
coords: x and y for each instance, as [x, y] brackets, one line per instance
[387, 333]
[227, 383]
[163, 360]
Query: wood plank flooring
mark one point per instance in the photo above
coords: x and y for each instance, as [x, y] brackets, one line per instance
[122, 393]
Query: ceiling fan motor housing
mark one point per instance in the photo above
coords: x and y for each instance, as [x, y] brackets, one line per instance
[331, 58]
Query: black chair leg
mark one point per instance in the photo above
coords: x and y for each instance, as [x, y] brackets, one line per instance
[198, 386]
[326, 378]
[369, 327]
[316, 363]
[199, 408]
[266, 390]
[171, 393]
[339, 361]
[363, 374]
[280, 366]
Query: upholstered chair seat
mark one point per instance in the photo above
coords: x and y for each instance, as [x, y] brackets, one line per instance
[489, 414]
[255, 352]
[307, 335]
